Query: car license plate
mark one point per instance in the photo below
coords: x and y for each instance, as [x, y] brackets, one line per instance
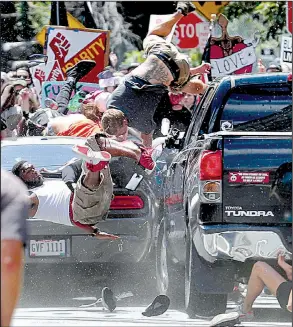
[47, 248]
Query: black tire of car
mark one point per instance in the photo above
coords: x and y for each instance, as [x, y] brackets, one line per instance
[198, 304]
[173, 286]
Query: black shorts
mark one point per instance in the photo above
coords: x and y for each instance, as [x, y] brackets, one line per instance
[138, 99]
[283, 293]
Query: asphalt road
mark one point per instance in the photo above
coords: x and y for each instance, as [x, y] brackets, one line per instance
[53, 297]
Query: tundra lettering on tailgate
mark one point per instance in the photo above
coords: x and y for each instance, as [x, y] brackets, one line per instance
[237, 211]
[250, 213]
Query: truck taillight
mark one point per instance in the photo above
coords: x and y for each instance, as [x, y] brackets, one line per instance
[289, 79]
[124, 202]
[210, 167]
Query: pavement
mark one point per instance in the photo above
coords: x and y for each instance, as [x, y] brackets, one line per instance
[123, 316]
[267, 310]
[51, 298]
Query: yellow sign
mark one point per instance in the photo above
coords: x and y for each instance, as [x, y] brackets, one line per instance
[72, 22]
[207, 8]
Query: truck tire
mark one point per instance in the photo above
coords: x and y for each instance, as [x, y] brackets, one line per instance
[198, 304]
[170, 277]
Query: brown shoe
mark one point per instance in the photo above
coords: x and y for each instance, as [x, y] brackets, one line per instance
[186, 7]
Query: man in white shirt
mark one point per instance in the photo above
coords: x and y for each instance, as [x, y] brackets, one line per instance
[90, 202]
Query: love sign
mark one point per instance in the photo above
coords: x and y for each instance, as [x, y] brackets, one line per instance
[231, 55]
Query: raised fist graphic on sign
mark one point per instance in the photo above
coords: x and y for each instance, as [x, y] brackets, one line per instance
[40, 75]
[60, 46]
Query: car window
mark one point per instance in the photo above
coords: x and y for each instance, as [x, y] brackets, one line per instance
[199, 115]
[258, 109]
[50, 156]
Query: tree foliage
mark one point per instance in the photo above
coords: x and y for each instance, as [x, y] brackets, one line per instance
[22, 20]
[272, 15]
[107, 17]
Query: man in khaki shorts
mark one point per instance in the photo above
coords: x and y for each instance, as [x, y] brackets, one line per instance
[165, 69]
[90, 202]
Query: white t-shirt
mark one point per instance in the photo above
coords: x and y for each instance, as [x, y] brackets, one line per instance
[54, 201]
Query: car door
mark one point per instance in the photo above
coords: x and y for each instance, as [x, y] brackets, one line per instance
[174, 185]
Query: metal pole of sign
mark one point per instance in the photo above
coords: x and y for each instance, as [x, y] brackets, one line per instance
[90, 7]
[208, 76]
[212, 24]
[57, 13]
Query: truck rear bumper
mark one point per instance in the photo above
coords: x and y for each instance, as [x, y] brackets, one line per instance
[240, 243]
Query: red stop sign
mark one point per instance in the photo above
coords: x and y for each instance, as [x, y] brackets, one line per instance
[289, 16]
[186, 31]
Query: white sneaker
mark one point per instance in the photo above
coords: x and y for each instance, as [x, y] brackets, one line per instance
[90, 156]
[225, 320]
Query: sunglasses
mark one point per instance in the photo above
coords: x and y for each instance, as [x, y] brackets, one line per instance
[25, 167]
[23, 76]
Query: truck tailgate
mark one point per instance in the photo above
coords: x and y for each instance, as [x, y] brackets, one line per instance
[257, 178]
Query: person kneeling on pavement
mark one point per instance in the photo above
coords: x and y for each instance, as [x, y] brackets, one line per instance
[90, 202]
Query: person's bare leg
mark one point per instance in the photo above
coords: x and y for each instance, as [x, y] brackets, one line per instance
[262, 275]
[164, 29]
[92, 180]
[147, 139]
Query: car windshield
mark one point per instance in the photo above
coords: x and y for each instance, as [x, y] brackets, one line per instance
[50, 156]
[259, 109]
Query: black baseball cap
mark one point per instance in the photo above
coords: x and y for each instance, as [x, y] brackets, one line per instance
[17, 167]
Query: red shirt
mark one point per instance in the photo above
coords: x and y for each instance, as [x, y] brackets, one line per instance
[84, 128]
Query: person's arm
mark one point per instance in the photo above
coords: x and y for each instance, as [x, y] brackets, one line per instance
[202, 69]
[14, 212]
[11, 275]
[147, 139]
[289, 305]
[23, 100]
[95, 232]
[33, 205]
[71, 173]
[285, 266]
[34, 102]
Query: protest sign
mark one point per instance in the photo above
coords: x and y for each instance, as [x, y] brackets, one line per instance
[65, 47]
[286, 49]
[41, 73]
[50, 89]
[38, 74]
[231, 55]
[190, 32]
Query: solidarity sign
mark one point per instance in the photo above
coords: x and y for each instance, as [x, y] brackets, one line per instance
[67, 46]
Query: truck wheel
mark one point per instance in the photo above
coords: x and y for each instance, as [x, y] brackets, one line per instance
[198, 304]
[170, 277]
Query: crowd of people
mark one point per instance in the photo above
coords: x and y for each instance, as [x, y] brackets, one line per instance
[129, 105]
